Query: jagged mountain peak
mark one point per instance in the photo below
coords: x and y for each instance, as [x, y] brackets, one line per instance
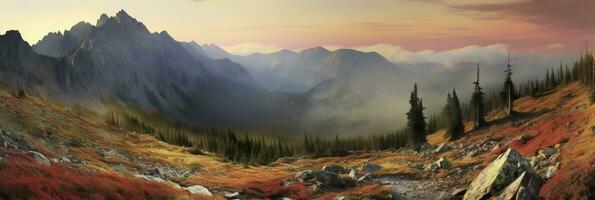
[102, 19]
[13, 39]
[13, 34]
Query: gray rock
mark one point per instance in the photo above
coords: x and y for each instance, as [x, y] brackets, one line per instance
[442, 148]
[304, 174]
[10, 140]
[341, 198]
[425, 147]
[551, 171]
[354, 173]
[547, 152]
[199, 189]
[64, 160]
[230, 195]
[431, 167]
[505, 169]
[149, 178]
[326, 179]
[443, 163]
[525, 187]
[334, 169]
[40, 158]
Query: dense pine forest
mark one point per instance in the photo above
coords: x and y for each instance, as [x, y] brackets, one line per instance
[251, 148]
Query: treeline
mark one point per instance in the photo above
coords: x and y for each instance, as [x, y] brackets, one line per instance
[228, 144]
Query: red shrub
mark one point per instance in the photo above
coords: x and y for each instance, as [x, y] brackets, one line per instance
[22, 178]
[274, 188]
[575, 183]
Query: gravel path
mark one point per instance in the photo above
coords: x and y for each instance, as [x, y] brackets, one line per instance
[404, 188]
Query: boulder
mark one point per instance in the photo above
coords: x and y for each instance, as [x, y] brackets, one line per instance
[443, 163]
[525, 187]
[40, 158]
[334, 169]
[199, 189]
[505, 169]
[426, 147]
[304, 174]
[326, 179]
[442, 148]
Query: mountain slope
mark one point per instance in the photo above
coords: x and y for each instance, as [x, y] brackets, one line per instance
[119, 61]
[81, 141]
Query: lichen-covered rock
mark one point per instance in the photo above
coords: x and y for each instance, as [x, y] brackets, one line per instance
[505, 169]
[525, 187]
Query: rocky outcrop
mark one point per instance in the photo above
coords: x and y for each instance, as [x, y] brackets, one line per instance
[497, 176]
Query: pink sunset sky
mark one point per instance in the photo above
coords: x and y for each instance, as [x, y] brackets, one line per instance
[268, 25]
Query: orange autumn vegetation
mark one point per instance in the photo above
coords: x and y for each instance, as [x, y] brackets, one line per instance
[23, 178]
[274, 189]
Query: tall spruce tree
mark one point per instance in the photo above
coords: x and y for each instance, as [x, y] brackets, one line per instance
[455, 118]
[416, 122]
[477, 103]
[508, 93]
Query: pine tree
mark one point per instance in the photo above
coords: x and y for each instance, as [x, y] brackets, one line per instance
[455, 125]
[416, 123]
[477, 103]
[508, 91]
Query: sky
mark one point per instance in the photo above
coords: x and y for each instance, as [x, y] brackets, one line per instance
[247, 26]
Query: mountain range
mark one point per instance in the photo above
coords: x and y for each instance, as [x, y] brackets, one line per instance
[118, 60]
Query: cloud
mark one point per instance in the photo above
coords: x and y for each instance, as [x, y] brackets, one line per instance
[568, 15]
[249, 48]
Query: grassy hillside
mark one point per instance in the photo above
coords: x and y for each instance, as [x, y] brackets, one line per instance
[102, 152]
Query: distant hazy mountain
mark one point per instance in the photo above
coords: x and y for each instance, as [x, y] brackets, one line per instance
[300, 71]
[119, 59]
